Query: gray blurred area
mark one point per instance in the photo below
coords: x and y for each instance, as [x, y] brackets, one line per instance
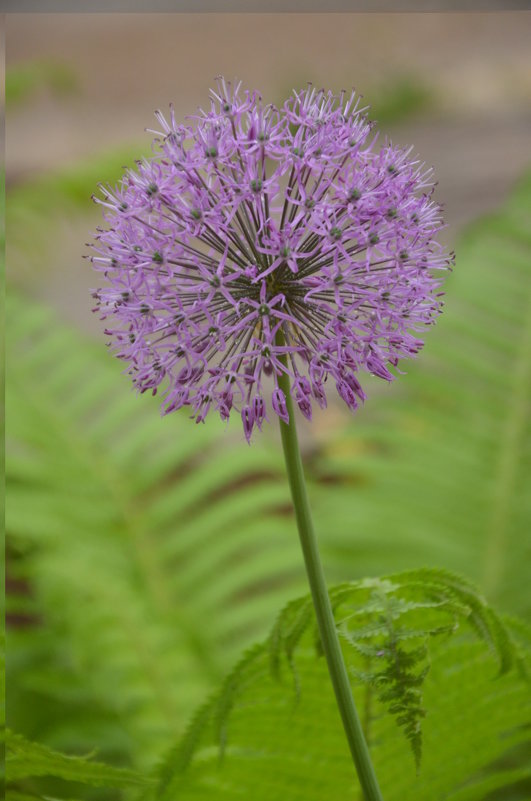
[470, 73]
[259, 6]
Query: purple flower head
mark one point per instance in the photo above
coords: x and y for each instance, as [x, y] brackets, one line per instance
[258, 241]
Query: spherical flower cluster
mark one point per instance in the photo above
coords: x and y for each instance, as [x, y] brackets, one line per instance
[257, 242]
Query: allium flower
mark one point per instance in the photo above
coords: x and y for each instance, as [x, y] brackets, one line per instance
[257, 241]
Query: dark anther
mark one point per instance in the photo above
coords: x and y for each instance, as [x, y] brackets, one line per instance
[336, 233]
[157, 257]
[144, 308]
[392, 169]
[392, 213]
[211, 152]
[263, 309]
[256, 185]
[215, 281]
[403, 255]
[123, 206]
[354, 194]
[374, 239]
[152, 189]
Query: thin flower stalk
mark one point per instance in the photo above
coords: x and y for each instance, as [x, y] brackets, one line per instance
[261, 257]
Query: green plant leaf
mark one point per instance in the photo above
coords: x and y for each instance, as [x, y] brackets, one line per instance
[428, 647]
[437, 465]
[138, 527]
[25, 759]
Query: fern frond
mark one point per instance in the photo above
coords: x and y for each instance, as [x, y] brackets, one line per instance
[26, 759]
[440, 471]
[140, 548]
[512, 783]
[298, 750]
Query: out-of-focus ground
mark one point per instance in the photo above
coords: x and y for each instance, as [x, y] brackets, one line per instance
[456, 86]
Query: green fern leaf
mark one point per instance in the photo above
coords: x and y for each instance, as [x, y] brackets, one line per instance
[439, 472]
[26, 759]
[275, 746]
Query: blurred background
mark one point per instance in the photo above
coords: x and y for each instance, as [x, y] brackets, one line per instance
[145, 554]
[82, 89]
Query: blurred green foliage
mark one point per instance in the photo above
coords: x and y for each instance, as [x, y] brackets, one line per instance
[399, 100]
[24, 80]
[444, 456]
[44, 198]
[2, 462]
[391, 102]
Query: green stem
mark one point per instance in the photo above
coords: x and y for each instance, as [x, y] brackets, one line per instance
[321, 601]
